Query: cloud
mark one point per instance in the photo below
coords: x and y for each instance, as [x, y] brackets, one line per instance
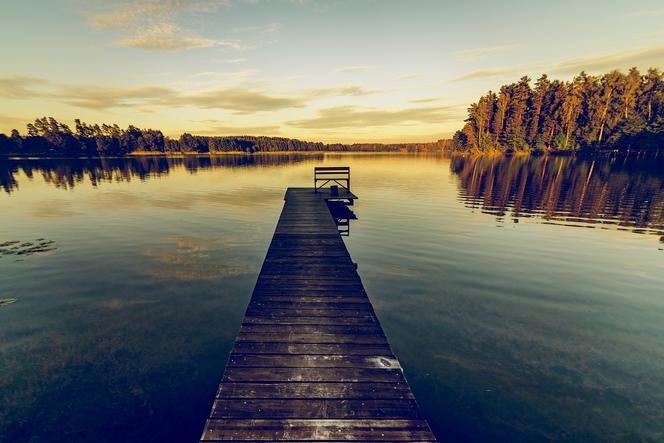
[488, 72]
[220, 128]
[642, 57]
[475, 54]
[166, 43]
[347, 90]
[350, 116]
[241, 101]
[235, 60]
[269, 28]
[411, 76]
[235, 75]
[12, 122]
[594, 64]
[168, 37]
[645, 13]
[19, 87]
[153, 24]
[129, 15]
[256, 36]
[354, 68]
[426, 100]
[93, 97]
[238, 100]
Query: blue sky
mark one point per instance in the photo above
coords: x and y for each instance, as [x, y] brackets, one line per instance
[357, 70]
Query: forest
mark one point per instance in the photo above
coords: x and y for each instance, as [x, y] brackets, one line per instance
[614, 111]
[611, 112]
[47, 137]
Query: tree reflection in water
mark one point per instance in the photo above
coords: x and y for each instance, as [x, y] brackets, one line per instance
[627, 192]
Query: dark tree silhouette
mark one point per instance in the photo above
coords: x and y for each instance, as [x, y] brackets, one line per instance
[614, 111]
[46, 137]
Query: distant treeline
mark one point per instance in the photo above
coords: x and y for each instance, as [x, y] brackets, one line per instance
[614, 111]
[48, 137]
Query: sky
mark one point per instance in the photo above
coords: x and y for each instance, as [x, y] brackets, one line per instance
[323, 70]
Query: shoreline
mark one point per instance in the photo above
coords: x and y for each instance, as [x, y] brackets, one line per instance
[491, 154]
[139, 154]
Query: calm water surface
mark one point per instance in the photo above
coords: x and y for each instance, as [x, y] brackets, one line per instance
[523, 295]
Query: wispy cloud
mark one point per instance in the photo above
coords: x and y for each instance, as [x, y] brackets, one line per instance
[351, 116]
[93, 97]
[640, 57]
[644, 57]
[426, 100]
[237, 75]
[153, 24]
[223, 128]
[488, 72]
[168, 37]
[355, 68]
[238, 99]
[19, 86]
[346, 90]
[411, 76]
[475, 54]
[14, 122]
[269, 28]
[645, 12]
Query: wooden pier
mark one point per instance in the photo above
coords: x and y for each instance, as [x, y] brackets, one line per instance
[311, 361]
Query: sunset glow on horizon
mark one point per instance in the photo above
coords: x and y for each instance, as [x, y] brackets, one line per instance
[331, 71]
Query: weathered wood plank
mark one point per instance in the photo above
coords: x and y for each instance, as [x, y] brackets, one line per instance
[302, 320]
[314, 361]
[253, 311]
[317, 429]
[286, 348]
[339, 375]
[257, 303]
[360, 390]
[259, 310]
[285, 298]
[314, 408]
[277, 291]
[367, 339]
[372, 329]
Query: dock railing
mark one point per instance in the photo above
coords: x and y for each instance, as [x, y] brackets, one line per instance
[338, 175]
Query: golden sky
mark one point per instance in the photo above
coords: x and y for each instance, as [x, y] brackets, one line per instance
[328, 70]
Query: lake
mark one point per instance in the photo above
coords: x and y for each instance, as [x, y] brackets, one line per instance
[523, 295]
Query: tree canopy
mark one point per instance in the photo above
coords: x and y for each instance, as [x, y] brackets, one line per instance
[614, 111]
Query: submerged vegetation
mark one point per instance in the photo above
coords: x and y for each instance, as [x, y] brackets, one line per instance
[614, 111]
[18, 248]
[6, 301]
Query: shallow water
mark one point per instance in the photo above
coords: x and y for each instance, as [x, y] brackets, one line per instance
[523, 296]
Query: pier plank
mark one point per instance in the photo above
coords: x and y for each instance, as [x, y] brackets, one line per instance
[311, 361]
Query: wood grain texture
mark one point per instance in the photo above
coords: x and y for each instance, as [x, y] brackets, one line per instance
[311, 361]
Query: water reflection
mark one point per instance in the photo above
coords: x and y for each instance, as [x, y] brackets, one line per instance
[589, 192]
[189, 259]
[67, 173]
